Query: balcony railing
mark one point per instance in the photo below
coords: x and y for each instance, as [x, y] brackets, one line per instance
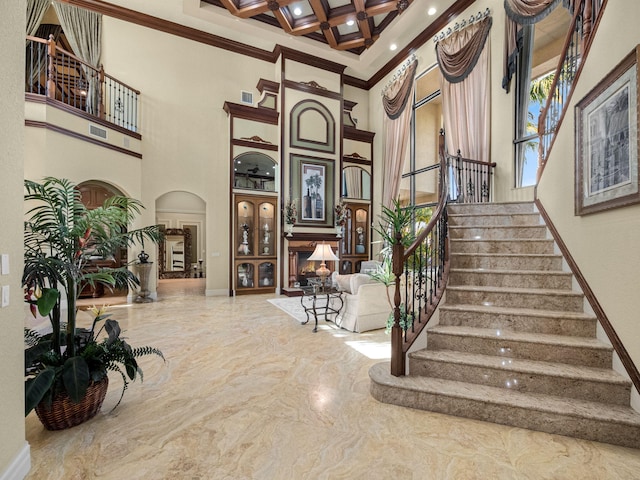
[60, 75]
[586, 16]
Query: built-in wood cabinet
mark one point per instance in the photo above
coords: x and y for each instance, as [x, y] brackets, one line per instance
[255, 243]
[355, 242]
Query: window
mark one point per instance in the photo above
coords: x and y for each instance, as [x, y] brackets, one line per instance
[541, 48]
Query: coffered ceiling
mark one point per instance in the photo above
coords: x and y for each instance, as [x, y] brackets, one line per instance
[348, 25]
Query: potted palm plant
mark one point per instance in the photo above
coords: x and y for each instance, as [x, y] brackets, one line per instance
[66, 369]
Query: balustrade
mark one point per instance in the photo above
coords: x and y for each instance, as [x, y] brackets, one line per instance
[60, 75]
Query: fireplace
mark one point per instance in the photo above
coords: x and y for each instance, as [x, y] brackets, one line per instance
[300, 268]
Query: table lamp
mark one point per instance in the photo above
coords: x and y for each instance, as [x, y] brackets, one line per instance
[322, 253]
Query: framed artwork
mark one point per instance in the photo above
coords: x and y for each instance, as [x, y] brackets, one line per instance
[606, 166]
[312, 182]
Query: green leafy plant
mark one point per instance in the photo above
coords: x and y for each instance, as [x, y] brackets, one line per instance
[60, 237]
[395, 224]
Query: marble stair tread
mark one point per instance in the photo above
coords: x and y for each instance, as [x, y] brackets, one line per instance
[531, 291]
[508, 335]
[511, 272]
[611, 413]
[513, 255]
[524, 366]
[529, 312]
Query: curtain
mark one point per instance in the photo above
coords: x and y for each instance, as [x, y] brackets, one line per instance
[521, 12]
[465, 102]
[396, 127]
[353, 181]
[35, 11]
[83, 29]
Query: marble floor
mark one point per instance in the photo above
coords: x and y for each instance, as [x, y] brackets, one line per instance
[249, 393]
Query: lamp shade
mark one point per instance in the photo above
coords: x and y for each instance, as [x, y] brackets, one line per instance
[323, 253]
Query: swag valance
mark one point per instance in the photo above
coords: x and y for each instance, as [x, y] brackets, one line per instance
[397, 95]
[456, 62]
[525, 12]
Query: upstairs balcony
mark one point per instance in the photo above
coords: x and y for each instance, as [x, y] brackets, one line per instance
[65, 80]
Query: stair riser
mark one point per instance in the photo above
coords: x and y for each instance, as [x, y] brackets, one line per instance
[571, 303]
[519, 323]
[504, 246]
[589, 357]
[494, 220]
[490, 279]
[516, 416]
[493, 208]
[506, 262]
[498, 233]
[589, 390]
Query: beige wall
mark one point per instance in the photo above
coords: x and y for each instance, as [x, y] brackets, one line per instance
[605, 245]
[14, 456]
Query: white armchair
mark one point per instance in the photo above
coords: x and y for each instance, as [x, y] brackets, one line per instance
[365, 303]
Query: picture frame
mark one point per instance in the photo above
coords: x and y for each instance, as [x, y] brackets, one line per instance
[313, 183]
[606, 162]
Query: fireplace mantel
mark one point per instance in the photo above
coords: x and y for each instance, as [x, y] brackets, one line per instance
[306, 242]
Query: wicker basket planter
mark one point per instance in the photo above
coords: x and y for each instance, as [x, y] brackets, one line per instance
[63, 413]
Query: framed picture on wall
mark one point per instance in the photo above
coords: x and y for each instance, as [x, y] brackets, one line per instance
[606, 167]
[312, 182]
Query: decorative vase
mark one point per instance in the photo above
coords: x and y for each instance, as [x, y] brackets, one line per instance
[143, 270]
[63, 413]
[289, 229]
[339, 231]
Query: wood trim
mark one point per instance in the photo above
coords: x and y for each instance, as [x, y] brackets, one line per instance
[35, 98]
[302, 87]
[618, 346]
[80, 136]
[172, 28]
[355, 82]
[352, 133]
[267, 86]
[248, 143]
[301, 57]
[423, 37]
[354, 160]
[264, 115]
[149, 21]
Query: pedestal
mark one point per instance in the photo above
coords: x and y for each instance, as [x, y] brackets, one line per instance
[143, 270]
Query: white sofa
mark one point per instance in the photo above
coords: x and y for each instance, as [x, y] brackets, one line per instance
[365, 303]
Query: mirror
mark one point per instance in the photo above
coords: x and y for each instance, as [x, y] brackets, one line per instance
[356, 183]
[175, 253]
[254, 171]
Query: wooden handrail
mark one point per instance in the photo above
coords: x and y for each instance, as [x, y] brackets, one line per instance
[471, 160]
[80, 85]
[583, 9]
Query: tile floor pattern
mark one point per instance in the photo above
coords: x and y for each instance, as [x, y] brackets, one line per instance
[249, 393]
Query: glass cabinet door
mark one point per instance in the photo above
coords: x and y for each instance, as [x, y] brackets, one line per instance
[266, 274]
[361, 231]
[266, 242]
[245, 230]
[244, 273]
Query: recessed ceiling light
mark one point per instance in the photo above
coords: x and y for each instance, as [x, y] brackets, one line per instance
[350, 22]
[393, 47]
[297, 11]
[431, 11]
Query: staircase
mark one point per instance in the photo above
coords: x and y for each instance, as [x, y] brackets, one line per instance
[513, 344]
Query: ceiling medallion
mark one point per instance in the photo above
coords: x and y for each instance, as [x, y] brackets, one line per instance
[362, 15]
[325, 26]
[402, 5]
[273, 5]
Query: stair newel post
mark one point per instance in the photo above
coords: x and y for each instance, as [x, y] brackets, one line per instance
[51, 54]
[101, 109]
[397, 355]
